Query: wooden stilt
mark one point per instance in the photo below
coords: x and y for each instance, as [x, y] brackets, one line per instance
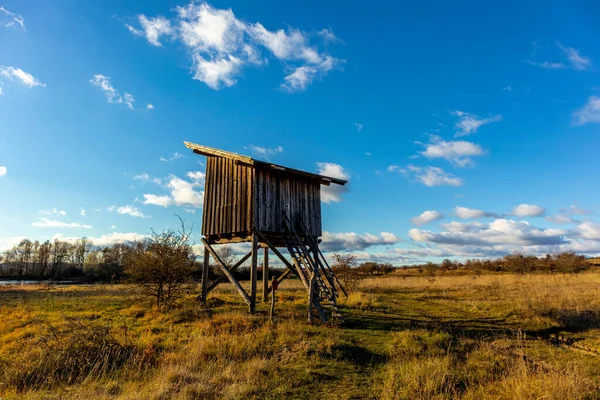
[228, 274]
[311, 296]
[265, 274]
[205, 268]
[253, 274]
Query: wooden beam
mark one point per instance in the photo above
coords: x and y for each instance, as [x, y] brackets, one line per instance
[228, 274]
[253, 274]
[265, 274]
[220, 279]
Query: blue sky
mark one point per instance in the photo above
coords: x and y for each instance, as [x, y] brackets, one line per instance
[465, 130]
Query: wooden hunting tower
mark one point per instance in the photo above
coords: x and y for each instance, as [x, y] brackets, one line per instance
[271, 206]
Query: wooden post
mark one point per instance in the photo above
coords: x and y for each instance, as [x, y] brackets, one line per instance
[265, 274]
[253, 273]
[227, 273]
[311, 295]
[205, 268]
[274, 285]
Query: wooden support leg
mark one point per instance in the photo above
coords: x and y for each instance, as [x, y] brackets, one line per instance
[253, 274]
[205, 268]
[220, 279]
[272, 311]
[311, 296]
[265, 274]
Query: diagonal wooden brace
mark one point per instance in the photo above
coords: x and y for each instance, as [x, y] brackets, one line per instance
[220, 279]
[280, 279]
[228, 274]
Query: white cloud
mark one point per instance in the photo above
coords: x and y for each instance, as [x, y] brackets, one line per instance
[468, 124]
[182, 192]
[265, 152]
[152, 28]
[220, 45]
[427, 217]
[10, 242]
[127, 210]
[466, 213]
[107, 240]
[498, 232]
[149, 106]
[145, 178]
[433, 176]
[82, 212]
[24, 77]
[175, 156]
[113, 227]
[332, 193]
[394, 168]
[163, 201]
[53, 211]
[455, 226]
[458, 153]
[112, 95]
[528, 210]
[359, 126]
[302, 77]
[588, 230]
[47, 223]
[589, 113]
[196, 176]
[577, 61]
[9, 19]
[507, 88]
[353, 241]
[3, 170]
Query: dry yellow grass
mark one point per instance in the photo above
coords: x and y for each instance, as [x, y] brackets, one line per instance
[487, 337]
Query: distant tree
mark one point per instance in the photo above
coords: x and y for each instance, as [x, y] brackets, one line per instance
[162, 267]
[344, 267]
[568, 262]
[519, 263]
[431, 269]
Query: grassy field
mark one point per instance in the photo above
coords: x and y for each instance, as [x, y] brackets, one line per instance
[492, 336]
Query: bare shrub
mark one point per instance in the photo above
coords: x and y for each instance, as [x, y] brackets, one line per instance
[162, 267]
[344, 267]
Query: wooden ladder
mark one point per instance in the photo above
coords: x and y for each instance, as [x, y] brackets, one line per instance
[310, 262]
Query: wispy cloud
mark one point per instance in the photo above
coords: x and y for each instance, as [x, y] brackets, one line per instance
[220, 45]
[9, 19]
[432, 176]
[175, 156]
[353, 241]
[181, 192]
[577, 61]
[467, 213]
[589, 113]
[468, 124]
[103, 83]
[48, 223]
[264, 152]
[359, 126]
[21, 76]
[3, 170]
[53, 211]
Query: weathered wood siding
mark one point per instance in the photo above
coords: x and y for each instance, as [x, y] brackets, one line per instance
[298, 196]
[238, 197]
[228, 200]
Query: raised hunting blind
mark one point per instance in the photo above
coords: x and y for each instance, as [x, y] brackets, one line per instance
[270, 206]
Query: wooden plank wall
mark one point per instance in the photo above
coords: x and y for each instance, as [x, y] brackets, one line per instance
[228, 203]
[298, 196]
[231, 207]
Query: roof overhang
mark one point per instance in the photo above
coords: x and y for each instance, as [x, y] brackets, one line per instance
[212, 152]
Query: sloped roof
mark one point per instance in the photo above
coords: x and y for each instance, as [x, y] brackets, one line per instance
[212, 152]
